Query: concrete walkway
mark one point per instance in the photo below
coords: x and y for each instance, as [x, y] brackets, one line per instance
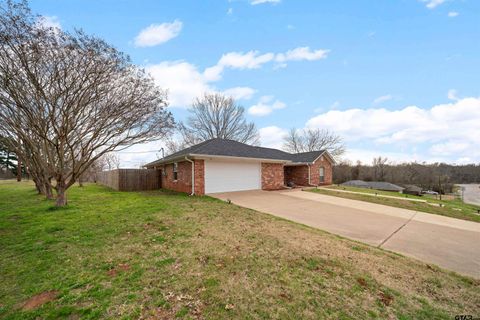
[450, 243]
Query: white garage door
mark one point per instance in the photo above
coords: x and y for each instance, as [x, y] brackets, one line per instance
[225, 176]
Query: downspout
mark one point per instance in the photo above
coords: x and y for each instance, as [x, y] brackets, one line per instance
[193, 175]
[309, 180]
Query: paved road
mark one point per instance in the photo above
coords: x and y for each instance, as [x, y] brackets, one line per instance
[450, 243]
[471, 194]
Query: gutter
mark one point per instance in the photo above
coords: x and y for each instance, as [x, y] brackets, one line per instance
[206, 156]
[309, 180]
[193, 175]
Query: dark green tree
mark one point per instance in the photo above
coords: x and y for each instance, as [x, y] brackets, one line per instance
[8, 158]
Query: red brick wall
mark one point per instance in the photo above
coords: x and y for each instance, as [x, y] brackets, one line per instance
[272, 176]
[315, 171]
[199, 177]
[297, 174]
[184, 177]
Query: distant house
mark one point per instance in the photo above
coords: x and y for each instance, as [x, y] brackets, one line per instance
[357, 184]
[377, 185]
[412, 189]
[220, 165]
[385, 186]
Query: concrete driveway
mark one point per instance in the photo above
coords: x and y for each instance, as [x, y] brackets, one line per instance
[471, 193]
[450, 243]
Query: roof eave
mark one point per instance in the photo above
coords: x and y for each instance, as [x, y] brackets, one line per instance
[195, 155]
[293, 164]
[164, 161]
[202, 156]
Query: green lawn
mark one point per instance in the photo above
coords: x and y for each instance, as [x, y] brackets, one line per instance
[373, 191]
[450, 208]
[156, 255]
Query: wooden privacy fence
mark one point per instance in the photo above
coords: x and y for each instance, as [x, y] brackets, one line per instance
[130, 179]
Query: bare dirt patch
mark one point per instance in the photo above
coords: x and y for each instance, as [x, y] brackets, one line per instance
[385, 298]
[39, 299]
[121, 267]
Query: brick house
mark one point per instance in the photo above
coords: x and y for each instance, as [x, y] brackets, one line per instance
[220, 165]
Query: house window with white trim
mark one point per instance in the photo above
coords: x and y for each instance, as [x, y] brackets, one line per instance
[322, 174]
[175, 171]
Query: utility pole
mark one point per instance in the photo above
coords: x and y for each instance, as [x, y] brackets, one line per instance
[440, 187]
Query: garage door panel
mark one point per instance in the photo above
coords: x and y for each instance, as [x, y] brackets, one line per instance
[225, 176]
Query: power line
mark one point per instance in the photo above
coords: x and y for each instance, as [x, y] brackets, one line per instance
[136, 151]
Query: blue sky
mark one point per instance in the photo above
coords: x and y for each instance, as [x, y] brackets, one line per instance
[396, 78]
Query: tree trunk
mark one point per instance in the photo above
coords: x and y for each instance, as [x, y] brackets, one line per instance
[19, 169]
[48, 191]
[61, 193]
[40, 187]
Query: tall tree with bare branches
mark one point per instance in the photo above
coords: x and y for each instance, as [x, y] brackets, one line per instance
[217, 116]
[69, 98]
[312, 140]
[379, 168]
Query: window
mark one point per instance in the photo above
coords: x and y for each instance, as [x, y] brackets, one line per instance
[322, 174]
[175, 171]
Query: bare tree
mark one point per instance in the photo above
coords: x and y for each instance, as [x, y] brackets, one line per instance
[111, 161]
[70, 98]
[90, 174]
[217, 116]
[312, 140]
[173, 145]
[379, 168]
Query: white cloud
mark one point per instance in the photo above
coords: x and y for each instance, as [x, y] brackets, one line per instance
[49, 22]
[449, 148]
[432, 4]
[443, 125]
[182, 80]
[265, 106]
[185, 82]
[237, 60]
[255, 2]
[156, 34]
[301, 53]
[453, 14]
[272, 137]
[452, 94]
[254, 59]
[333, 106]
[213, 73]
[382, 99]
[240, 93]
[240, 60]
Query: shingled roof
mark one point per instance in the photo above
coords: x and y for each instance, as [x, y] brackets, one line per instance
[231, 148]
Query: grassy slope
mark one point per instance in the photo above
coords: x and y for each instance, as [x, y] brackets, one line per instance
[451, 208]
[153, 255]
